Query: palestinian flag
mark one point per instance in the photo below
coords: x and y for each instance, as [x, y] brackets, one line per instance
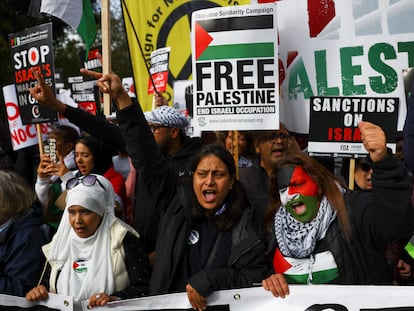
[319, 270]
[235, 37]
[76, 13]
[410, 247]
[80, 265]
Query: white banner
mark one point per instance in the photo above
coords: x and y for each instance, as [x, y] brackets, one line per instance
[301, 298]
[54, 301]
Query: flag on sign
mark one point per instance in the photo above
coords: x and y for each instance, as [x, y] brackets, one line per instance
[212, 39]
[77, 14]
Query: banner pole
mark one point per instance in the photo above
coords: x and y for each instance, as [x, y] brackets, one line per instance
[39, 138]
[106, 49]
[351, 179]
[235, 150]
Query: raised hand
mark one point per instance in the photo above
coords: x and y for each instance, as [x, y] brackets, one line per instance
[374, 140]
[110, 83]
[44, 94]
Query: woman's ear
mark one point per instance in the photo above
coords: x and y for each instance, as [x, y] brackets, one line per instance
[232, 183]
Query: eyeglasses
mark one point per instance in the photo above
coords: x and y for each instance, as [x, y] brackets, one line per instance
[88, 181]
[273, 136]
[156, 128]
[365, 167]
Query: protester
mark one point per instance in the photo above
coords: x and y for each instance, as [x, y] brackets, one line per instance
[246, 148]
[21, 236]
[123, 165]
[26, 162]
[177, 148]
[49, 186]
[326, 234]
[270, 145]
[205, 241]
[362, 173]
[94, 255]
[91, 156]
[399, 148]
[95, 156]
[395, 254]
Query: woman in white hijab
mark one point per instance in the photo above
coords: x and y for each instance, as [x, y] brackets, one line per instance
[93, 255]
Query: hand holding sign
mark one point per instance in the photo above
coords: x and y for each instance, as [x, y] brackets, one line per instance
[276, 283]
[37, 293]
[159, 100]
[374, 140]
[198, 302]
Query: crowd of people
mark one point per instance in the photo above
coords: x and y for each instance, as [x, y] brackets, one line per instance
[200, 221]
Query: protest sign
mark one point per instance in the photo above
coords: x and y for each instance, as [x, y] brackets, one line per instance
[301, 298]
[334, 123]
[21, 135]
[85, 94]
[159, 70]
[342, 48]
[31, 50]
[235, 68]
[128, 84]
[92, 61]
[183, 102]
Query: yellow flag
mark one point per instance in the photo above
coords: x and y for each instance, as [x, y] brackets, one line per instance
[158, 24]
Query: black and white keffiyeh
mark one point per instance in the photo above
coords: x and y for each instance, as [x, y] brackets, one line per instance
[166, 116]
[297, 239]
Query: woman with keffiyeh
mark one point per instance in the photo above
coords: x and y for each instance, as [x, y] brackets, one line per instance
[325, 234]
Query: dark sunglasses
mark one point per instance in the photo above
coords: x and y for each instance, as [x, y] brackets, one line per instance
[88, 180]
[365, 167]
[273, 136]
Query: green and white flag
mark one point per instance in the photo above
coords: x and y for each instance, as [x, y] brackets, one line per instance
[77, 14]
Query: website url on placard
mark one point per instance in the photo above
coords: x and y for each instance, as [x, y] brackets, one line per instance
[253, 120]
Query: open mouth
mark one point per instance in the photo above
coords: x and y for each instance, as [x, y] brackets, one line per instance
[79, 230]
[209, 195]
[82, 169]
[277, 151]
[299, 208]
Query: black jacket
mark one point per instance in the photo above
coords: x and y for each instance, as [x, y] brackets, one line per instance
[21, 257]
[376, 218]
[256, 183]
[174, 198]
[146, 216]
